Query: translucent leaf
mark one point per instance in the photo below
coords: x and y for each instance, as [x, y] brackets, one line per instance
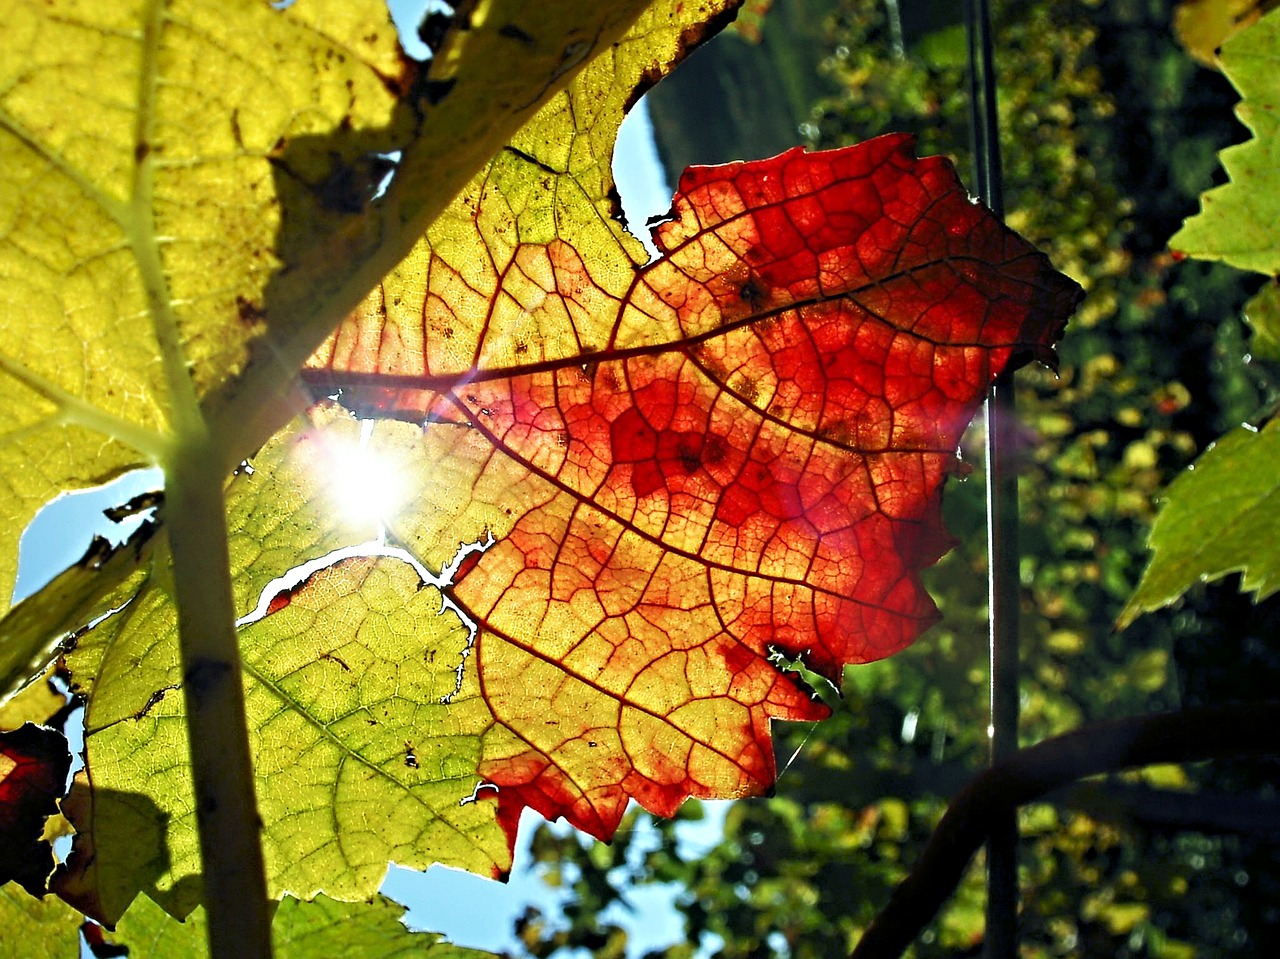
[1218, 518]
[1203, 26]
[1239, 222]
[689, 465]
[190, 205]
[322, 929]
[36, 928]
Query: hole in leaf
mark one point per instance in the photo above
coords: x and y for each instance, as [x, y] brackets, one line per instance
[61, 532]
[641, 183]
[409, 15]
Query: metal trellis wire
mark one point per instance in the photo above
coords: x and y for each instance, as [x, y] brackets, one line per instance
[1002, 512]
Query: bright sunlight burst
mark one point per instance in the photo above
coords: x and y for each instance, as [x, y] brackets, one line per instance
[367, 486]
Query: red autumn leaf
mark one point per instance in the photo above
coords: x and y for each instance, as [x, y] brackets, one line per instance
[735, 451]
[33, 774]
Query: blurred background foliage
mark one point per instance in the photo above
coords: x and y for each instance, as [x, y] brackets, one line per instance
[1110, 131]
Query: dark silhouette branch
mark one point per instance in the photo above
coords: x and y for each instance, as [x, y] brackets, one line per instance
[1255, 818]
[1191, 735]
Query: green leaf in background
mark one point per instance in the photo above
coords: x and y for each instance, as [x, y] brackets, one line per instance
[1262, 313]
[1239, 222]
[36, 928]
[1219, 517]
[323, 929]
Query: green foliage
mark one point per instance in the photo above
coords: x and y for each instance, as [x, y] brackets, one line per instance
[36, 928]
[320, 929]
[1238, 221]
[1219, 518]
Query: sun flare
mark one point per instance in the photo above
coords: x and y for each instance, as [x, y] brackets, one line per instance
[367, 485]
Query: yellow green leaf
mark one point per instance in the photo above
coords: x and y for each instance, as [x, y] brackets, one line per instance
[37, 704]
[1203, 26]
[1219, 517]
[189, 205]
[33, 928]
[323, 929]
[1262, 313]
[105, 579]
[365, 728]
[1239, 222]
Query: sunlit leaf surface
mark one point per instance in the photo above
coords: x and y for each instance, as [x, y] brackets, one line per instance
[366, 729]
[189, 205]
[36, 928]
[1203, 26]
[683, 470]
[688, 466]
[1239, 222]
[322, 929]
[1218, 518]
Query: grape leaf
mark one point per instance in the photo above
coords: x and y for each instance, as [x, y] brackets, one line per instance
[733, 451]
[34, 762]
[322, 929]
[38, 703]
[36, 928]
[1239, 222]
[359, 761]
[1218, 518]
[343, 684]
[1262, 313]
[1214, 518]
[189, 205]
[1203, 26]
[687, 468]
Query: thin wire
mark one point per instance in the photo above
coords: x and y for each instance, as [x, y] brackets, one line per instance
[1002, 511]
[795, 755]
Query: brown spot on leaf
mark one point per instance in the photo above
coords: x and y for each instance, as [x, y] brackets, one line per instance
[250, 313]
[753, 293]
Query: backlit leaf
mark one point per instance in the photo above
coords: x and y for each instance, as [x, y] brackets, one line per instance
[685, 468]
[732, 451]
[37, 703]
[1262, 313]
[322, 929]
[189, 205]
[360, 759]
[1203, 26]
[1218, 518]
[139, 215]
[36, 928]
[33, 768]
[1239, 222]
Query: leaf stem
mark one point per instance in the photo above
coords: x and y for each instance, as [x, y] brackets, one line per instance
[75, 410]
[235, 893]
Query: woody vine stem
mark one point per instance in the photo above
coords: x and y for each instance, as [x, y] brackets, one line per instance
[235, 892]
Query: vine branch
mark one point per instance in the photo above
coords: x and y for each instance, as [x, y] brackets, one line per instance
[235, 891]
[1190, 735]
